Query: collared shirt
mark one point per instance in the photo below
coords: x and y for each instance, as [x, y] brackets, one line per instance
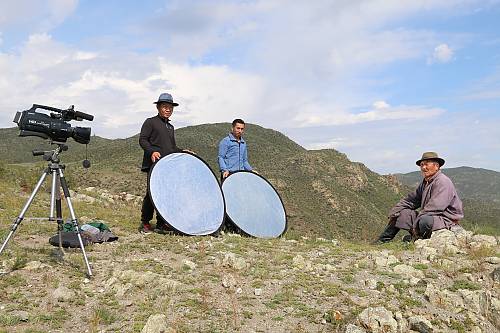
[157, 134]
[436, 197]
[233, 154]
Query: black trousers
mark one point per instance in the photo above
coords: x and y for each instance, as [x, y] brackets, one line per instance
[148, 210]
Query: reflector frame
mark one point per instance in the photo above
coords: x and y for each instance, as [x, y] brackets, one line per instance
[186, 194]
[254, 205]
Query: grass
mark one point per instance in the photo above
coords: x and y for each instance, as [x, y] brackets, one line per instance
[104, 316]
[464, 284]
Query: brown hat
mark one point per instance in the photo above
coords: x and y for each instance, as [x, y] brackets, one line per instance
[430, 155]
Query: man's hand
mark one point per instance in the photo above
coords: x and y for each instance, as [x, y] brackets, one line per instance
[225, 174]
[155, 156]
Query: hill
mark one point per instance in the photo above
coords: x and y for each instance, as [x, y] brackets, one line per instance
[479, 190]
[471, 183]
[324, 193]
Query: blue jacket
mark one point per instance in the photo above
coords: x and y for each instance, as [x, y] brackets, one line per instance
[233, 154]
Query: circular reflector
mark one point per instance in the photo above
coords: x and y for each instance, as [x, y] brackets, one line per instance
[186, 194]
[253, 205]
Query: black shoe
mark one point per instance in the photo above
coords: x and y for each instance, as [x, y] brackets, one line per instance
[407, 238]
[387, 235]
[161, 228]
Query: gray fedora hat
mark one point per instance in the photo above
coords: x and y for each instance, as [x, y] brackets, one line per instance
[430, 155]
[166, 98]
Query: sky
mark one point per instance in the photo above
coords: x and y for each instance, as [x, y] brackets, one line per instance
[382, 81]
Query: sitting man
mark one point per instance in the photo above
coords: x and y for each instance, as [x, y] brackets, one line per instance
[436, 198]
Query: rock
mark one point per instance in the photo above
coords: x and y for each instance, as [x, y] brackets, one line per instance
[257, 292]
[35, 265]
[402, 322]
[378, 320]
[354, 329]
[428, 253]
[230, 260]
[122, 289]
[420, 324]
[63, 294]
[189, 264]
[371, 284]
[492, 260]
[157, 324]
[228, 281]
[495, 311]
[444, 241]
[495, 275]
[385, 259]
[442, 297]
[414, 281]
[478, 301]
[479, 241]
[21, 315]
[408, 271]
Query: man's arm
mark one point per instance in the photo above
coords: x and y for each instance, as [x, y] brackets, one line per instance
[222, 153]
[146, 131]
[411, 201]
[246, 165]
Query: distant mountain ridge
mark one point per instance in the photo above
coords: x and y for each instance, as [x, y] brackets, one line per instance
[325, 194]
[471, 183]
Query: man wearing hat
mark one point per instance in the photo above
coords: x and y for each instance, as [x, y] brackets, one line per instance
[432, 206]
[157, 140]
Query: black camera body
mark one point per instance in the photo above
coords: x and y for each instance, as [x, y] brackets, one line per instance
[53, 126]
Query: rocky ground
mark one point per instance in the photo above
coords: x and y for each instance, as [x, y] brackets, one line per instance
[167, 283]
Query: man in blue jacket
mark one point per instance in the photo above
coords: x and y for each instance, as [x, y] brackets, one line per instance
[233, 154]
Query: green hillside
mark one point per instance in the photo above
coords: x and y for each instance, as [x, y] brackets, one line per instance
[471, 183]
[479, 190]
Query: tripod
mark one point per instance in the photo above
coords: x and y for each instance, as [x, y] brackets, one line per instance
[58, 181]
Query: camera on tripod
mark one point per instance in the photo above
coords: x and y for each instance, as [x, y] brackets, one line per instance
[53, 126]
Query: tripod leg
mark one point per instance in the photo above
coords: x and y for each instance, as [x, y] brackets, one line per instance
[73, 219]
[20, 218]
[55, 203]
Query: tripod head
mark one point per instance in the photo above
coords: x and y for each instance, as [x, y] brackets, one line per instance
[51, 155]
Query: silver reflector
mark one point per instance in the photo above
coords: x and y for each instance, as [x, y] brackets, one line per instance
[253, 205]
[187, 195]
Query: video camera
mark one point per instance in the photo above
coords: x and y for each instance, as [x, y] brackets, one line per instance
[53, 126]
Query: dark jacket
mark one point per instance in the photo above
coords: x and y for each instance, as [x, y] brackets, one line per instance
[157, 134]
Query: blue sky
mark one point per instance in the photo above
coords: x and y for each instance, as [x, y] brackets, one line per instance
[382, 81]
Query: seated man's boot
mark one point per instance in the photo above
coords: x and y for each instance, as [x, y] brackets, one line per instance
[388, 234]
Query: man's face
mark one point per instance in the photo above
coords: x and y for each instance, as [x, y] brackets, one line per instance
[429, 168]
[165, 110]
[238, 130]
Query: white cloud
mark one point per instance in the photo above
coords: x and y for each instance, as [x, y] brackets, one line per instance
[380, 105]
[34, 15]
[318, 116]
[442, 53]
